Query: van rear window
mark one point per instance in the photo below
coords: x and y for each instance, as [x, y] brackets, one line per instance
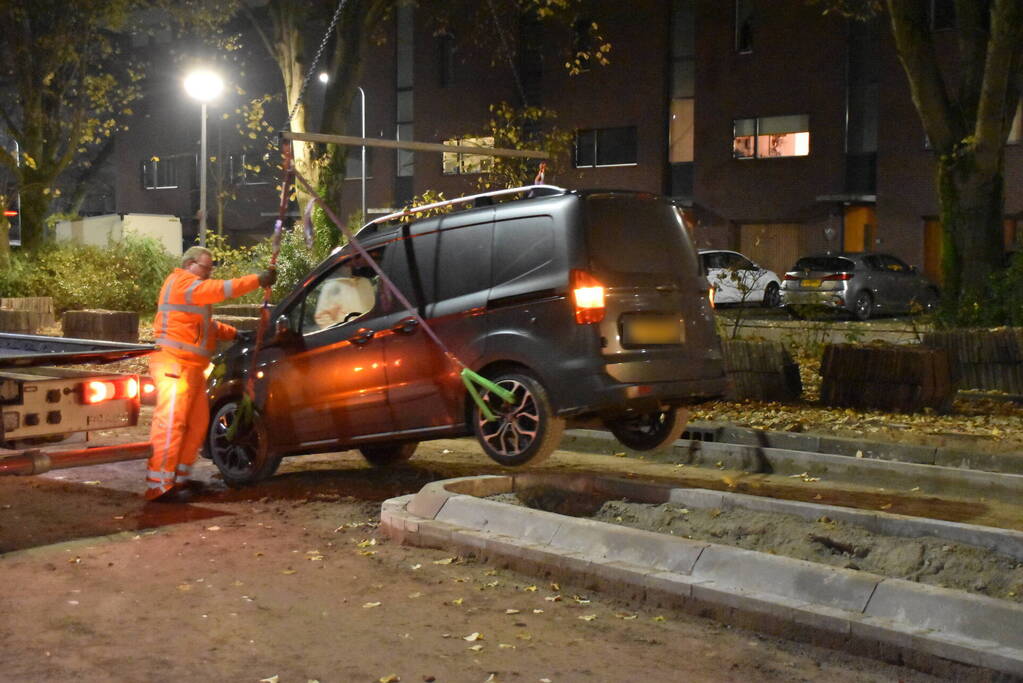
[634, 235]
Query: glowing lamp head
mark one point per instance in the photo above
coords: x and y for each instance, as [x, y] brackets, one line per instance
[203, 85]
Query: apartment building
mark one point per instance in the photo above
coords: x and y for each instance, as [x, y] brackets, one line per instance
[781, 130]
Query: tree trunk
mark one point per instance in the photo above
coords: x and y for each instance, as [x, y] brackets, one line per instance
[971, 216]
[34, 207]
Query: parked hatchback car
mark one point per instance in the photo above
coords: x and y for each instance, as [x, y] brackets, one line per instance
[860, 283]
[737, 280]
[586, 306]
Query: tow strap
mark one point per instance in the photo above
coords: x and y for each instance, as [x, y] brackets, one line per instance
[469, 377]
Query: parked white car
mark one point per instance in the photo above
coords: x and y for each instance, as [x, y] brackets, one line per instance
[737, 280]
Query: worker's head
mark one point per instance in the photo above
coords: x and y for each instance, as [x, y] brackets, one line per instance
[198, 261]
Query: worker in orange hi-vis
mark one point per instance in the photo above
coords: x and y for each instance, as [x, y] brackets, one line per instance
[186, 337]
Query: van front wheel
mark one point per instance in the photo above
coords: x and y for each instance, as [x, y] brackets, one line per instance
[650, 431]
[240, 449]
[526, 430]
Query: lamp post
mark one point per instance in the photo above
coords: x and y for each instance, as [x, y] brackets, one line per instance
[203, 85]
[362, 98]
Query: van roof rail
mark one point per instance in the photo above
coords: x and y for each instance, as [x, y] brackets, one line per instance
[538, 190]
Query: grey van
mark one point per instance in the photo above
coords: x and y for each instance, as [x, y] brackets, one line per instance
[588, 306]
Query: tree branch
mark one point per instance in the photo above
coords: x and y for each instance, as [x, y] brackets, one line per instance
[992, 106]
[916, 52]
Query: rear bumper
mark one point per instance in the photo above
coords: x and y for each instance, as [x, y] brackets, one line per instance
[829, 299]
[614, 399]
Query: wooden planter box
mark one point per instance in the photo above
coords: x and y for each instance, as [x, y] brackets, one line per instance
[983, 359]
[121, 326]
[761, 371]
[886, 377]
[26, 315]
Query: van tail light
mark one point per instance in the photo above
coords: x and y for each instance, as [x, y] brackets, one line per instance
[588, 296]
[99, 390]
[838, 276]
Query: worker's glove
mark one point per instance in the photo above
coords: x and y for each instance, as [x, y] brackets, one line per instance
[268, 277]
[245, 336]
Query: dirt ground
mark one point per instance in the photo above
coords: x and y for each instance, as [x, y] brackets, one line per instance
[292, 581]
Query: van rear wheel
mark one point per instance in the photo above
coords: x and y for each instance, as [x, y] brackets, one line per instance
[388, 454]
[526, 430]
[650, 431]
[242, 456]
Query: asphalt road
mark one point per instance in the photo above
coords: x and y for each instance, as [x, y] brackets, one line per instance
[292, 579]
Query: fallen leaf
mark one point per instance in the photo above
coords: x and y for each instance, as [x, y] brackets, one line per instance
[456, 601]
[213, 528]
[886, 506]
[555, 587]
[370, 605]
[91, 482]
[393, 678]
[658, 618]
[505, 646]
[531, 589]
[416, 566]
[553, 598]
[447, 560]
[272, 679]
[476, 648]
[511, 611]
[588, 617]
[290, 571]
[473, 636]
[184, 587]
[538, 611]
[413, 596]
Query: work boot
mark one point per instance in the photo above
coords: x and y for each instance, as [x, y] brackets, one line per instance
[176, 494]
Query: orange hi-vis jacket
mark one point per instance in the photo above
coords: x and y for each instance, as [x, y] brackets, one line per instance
[184, 326]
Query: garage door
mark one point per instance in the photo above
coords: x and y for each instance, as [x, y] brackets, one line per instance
[776, 246]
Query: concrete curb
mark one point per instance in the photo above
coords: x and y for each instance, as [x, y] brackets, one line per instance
[931, 478]
[924, 626]
[704, 432]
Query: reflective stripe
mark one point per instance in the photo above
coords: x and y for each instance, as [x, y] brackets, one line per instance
[163, 341]
[190, 290]
[157, 485]
[183, 308]
[168, 286]
[184, 469]
[228, 289]
[153, 474]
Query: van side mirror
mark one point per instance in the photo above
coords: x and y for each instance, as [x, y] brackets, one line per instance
[282, 327]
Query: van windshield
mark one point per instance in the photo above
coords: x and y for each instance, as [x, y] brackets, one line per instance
[637, 239]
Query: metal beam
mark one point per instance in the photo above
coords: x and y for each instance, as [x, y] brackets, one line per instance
[414, 146]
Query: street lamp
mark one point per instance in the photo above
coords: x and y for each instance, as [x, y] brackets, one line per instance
[203, 85]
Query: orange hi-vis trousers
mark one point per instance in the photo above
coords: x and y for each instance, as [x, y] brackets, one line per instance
[180, 420]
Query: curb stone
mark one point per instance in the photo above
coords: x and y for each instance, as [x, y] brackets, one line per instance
[945, 632]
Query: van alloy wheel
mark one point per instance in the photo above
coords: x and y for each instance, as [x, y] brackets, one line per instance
[247, 458]
[526, 430]
[650, 431]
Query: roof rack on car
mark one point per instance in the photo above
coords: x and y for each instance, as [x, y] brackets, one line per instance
[536, 190]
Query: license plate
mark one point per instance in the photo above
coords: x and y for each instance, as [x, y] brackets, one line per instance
[647, 330]
[811, 283]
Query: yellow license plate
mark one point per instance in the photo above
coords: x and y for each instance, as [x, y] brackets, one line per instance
[811, 283]
[645, 331]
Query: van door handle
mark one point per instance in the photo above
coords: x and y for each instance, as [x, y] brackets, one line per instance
[407, 325]
[361, 336]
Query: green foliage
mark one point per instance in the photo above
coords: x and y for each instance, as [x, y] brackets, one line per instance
[1001, 303]
[524, 128]
[125, 276]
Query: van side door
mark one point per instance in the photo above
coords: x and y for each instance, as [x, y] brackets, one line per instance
[448, 278]
[329, 384]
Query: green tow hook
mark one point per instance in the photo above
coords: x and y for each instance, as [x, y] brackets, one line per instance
[470, 379]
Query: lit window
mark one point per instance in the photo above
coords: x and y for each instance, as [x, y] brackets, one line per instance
[771, 136]
[457, 163]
